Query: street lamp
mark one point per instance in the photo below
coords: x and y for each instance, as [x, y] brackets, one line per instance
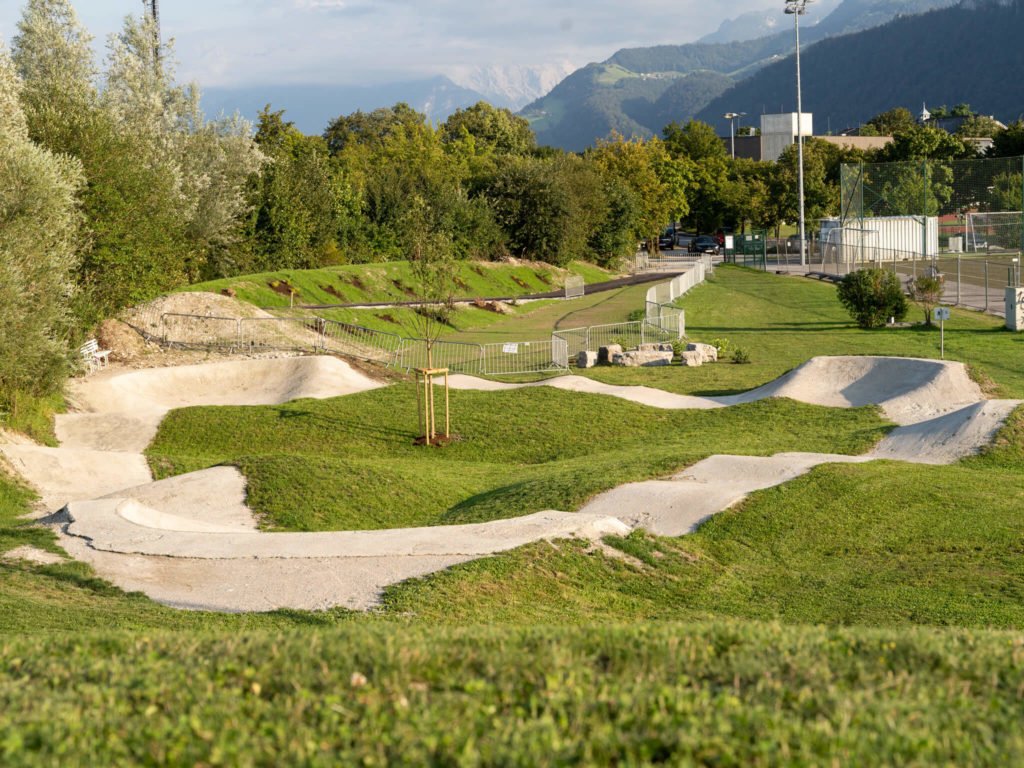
[798, 8]
[731, 117]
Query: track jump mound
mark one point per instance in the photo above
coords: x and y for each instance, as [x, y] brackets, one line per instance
[908, 390]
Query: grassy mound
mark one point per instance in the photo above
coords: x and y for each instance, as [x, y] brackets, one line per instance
[716, 694]
[392, 282]
[351, 463]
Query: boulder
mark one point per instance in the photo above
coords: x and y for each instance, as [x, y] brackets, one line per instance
[606, 354]
[709, 351]
[586, 359]
[662, 346]
[692, 359]
[643, 358]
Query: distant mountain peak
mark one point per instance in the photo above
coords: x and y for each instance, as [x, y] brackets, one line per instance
[511, 85]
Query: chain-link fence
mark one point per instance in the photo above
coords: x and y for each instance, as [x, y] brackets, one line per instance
[960, 218]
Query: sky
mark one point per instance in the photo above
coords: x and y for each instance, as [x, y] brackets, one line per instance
[241, 42]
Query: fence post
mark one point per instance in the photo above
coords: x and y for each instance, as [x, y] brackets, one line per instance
[238, 333]
[986, 286]
[958, 281]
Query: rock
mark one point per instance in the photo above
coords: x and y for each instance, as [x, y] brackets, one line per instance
[586, 359]
[606, 354]
[643, 358]
[692, 359]
[709, 351]
[663, 346]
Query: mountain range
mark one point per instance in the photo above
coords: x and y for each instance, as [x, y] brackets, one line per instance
[638, 91]
[312, 106]
[969, 53]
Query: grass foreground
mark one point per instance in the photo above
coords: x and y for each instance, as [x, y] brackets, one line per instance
[725, 693]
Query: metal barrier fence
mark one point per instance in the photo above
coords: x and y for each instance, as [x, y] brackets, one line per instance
[574, 287]
[456, 356]
[627, 335]
[502, 359]
[658, 309]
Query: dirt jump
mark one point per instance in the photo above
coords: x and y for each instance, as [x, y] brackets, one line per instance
[190, 541]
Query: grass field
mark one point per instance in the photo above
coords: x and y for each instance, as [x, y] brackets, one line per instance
[861, 614]
[784, 321]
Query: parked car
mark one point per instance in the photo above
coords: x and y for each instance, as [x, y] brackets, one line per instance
[705, 244]
[667, 241]
[683, 239]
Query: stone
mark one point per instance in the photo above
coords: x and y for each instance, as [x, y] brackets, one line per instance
[586, 359]
[656, 347]
[692, 359]
[643, 358]
[606, 354]
[709, 351]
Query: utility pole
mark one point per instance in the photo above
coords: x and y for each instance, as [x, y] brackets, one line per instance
[798, 8]
[152, 8]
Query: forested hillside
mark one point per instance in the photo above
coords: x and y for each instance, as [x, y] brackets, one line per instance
[969, 53]
[635, 90]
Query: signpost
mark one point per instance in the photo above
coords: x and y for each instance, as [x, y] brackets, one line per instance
[942, 315]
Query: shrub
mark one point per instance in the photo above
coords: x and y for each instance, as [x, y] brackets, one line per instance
[724, 346]
[926, 290]
[637, 314]
[740, 356]
[872, 296]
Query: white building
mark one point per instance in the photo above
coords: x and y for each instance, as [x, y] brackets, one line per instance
[779, 131]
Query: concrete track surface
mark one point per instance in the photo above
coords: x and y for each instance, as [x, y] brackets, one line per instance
[190, 541]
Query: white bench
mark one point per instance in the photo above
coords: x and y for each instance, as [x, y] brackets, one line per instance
[93, 356]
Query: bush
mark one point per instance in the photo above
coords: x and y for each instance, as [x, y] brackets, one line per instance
[872, 296]
[740, 356]
[926, 290]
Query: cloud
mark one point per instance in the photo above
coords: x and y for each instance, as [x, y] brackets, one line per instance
[234, 42]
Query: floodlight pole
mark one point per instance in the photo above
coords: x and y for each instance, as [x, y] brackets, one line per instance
[731, 117]
[797, 8]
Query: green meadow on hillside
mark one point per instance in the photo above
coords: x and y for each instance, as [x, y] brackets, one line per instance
[392, 281]
[860, 614]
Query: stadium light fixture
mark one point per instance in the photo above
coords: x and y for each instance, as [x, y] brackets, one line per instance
[798, 8]
[732, 117]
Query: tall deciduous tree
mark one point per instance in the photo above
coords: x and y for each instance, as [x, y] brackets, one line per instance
[39, 224]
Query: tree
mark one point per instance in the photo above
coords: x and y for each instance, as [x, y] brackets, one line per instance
[872, 296]
[1010, 142]
[658, 182]
[923, 143]
[926, 290]
[699, 145]
[39, 236]
[978, 126]
[898, 120]
[488, 130]
[304, 209]
[371, 129]
[432, 270]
